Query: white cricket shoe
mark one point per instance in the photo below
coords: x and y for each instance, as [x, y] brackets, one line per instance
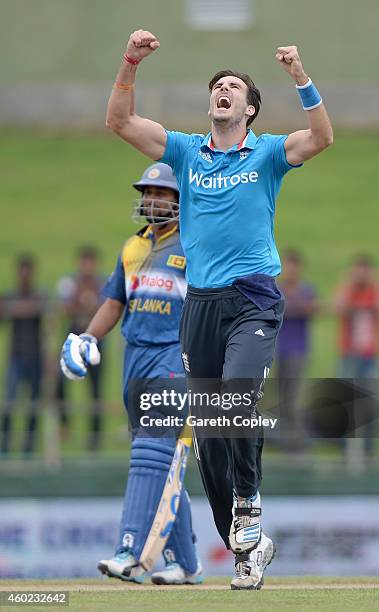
[250, 567]
[173, 573]
[122, 566]
[245, 530]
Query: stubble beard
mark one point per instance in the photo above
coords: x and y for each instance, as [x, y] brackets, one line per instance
[227, 124]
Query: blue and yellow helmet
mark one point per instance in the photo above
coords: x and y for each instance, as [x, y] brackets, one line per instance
[156, 211]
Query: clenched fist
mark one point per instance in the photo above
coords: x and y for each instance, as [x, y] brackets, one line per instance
[141, 44]
[291, 62]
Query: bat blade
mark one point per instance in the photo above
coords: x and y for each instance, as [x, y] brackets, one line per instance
[168, 505]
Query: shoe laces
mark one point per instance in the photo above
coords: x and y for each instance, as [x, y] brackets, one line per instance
[242, 569]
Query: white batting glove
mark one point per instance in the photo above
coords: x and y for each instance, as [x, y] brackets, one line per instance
[78, 352]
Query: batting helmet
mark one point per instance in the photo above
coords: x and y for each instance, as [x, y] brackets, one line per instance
[157, 175]
[156, 211]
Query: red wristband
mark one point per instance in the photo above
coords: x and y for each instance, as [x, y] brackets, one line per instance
[130, 60]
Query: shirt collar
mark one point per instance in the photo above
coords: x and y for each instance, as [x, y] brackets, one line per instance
[168, 233]
[147, 232]
[248, 142]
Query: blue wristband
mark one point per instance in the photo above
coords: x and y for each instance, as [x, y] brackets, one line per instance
[309, 95]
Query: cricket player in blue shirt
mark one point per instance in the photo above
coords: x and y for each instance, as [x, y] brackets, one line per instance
[229, 181]
[147, 287]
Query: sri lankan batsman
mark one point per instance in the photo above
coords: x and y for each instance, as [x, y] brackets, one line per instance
[147, 290]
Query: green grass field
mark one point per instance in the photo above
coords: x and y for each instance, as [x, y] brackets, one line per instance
[85, 39]
[59, 190]
[279, 595]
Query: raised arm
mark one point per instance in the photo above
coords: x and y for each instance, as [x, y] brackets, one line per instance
[305, 144]
[145, 135]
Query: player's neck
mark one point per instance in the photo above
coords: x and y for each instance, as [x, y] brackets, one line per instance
[226, 137]
[160, 230]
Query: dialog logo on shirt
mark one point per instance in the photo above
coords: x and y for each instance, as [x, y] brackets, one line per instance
[218, 181]
[147, 280]
[134, 282]
[160, 282]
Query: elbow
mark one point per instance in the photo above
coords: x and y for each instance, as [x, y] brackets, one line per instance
[109, 123]
[329, 140]
[321, 139]
[322, 145]
[118, 124]
[114, 125]
[325, 142]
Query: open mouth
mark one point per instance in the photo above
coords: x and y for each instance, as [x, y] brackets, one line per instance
[224, 102]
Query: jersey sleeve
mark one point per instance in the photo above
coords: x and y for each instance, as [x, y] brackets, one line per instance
[281, 165]
[114, 288]
[176, 145]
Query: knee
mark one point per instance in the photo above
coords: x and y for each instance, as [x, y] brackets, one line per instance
[152, 453]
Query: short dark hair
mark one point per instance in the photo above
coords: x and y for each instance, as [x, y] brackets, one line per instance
[363, 259]
[88, 250]
[25, 260]
[253, 93]
[293, 255]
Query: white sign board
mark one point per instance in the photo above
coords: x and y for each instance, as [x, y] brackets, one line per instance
[67, 537]
[219, 14]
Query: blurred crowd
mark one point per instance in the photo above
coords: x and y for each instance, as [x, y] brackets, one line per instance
[32, 366]
[355, 305]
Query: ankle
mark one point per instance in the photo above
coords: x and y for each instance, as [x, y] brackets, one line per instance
[252, 500]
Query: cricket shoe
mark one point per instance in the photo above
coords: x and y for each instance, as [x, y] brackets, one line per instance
[173, 573]
[250, 567]
[123, 566]
[245, 530]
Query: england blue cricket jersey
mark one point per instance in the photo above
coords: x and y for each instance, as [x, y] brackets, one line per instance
[227, 205]
[149, 279]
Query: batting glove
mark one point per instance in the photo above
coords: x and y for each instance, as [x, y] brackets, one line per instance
[78, 352]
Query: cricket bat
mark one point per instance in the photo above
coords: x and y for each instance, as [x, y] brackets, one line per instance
[167, 507]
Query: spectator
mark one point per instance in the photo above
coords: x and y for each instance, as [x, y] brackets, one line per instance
[357, 307]
[80, 298]
[293, 345]
[24, 309]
